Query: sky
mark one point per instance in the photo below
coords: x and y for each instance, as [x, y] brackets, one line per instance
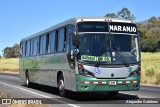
[21, 18]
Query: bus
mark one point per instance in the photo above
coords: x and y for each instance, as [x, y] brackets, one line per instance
[83, 54]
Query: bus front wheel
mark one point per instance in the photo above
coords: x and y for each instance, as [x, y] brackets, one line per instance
[61, 86]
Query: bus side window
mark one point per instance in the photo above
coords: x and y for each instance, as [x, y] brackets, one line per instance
[69, 30]
[23, 49]
[40, 45]
[28, 44]
[44, 44]
[47, 44]
[52, 41]
[32, 45]
[20, 50]
[61, 40]
[65, 39]
[56, 41]
[35, 46]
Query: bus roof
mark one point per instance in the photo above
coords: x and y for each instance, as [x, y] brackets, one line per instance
[74, 21]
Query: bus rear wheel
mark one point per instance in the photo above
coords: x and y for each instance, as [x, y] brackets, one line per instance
[61, 86]
[28, 84]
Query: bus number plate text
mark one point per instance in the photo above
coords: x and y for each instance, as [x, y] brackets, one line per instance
[112, 83]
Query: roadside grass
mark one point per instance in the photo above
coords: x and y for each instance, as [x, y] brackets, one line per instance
[150, 64]
[9, 64]
[150, 73]
[4, 95]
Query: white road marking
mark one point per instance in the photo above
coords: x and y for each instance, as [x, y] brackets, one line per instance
[73, 105]
[149, 89]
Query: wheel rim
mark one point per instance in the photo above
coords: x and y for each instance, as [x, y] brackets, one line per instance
[61, 86]
[27, 81]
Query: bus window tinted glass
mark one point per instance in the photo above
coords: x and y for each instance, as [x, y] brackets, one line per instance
[44, 45]
[69, 30]
[40, 48]
[92, 27]
[52, 42]
[23, 49]
[61, 40]
[35, 47]
[28, 48]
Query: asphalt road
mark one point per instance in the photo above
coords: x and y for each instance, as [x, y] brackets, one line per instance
[15, 88]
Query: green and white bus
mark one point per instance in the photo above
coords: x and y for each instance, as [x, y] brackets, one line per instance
[83, 54]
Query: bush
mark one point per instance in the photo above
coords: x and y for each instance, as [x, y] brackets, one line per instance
[150, 45]
[150, 71]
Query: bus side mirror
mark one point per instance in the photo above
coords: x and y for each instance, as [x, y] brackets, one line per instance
[74, 53]
[75, 39]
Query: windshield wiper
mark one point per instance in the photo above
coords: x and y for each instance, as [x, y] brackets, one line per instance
[122, 57]
[99, 56]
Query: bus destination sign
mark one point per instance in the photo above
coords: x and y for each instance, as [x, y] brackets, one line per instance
[118, 27]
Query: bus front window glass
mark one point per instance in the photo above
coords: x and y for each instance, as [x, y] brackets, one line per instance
[94, 47]
[125, 47]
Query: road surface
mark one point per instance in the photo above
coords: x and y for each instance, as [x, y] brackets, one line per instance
[15, 88]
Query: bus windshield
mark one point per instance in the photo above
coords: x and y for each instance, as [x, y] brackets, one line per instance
[94, 46]
[111, 49]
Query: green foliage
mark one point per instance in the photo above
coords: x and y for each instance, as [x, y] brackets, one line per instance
[111, 15]
[0, 56]
[149, 31]
[150, 71]
[150, 45]
[124, 14]
[11, 52]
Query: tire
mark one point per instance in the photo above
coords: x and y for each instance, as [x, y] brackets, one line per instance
[112, 93]
[28, 84]
[61, 86]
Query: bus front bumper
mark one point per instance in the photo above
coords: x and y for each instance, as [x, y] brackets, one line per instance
[88, 84]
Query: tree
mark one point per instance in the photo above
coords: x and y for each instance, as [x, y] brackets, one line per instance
[126, 14]
[15, 50]
[150, 45]
[152, 19]
[7, 52]
[11, 52]
[111, 15]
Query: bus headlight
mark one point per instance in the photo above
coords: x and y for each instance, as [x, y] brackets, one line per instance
[134, 73]
[84, 72]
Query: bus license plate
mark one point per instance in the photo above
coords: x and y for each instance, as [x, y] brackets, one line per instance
[112, 82]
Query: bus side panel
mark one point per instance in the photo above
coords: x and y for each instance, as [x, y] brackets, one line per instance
[21, 70]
